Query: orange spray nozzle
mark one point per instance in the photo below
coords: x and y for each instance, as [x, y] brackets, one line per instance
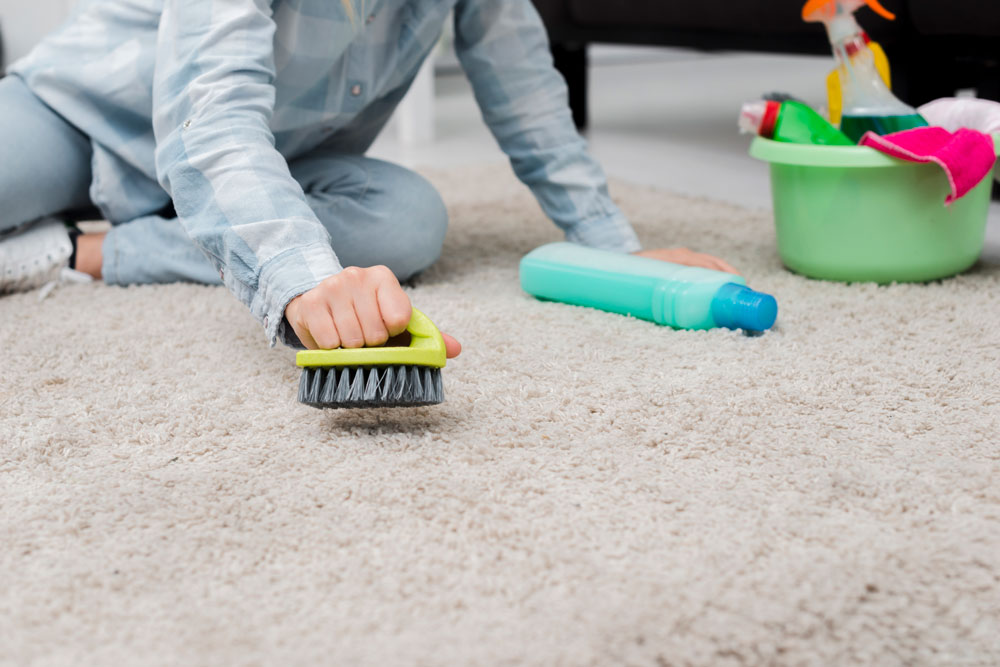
[825, 10]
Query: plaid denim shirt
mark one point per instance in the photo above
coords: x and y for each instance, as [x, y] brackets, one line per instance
[204, 102]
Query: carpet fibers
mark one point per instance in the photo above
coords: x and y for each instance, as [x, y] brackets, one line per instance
[595, 490]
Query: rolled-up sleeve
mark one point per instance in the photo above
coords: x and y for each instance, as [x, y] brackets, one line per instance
[503, 48]
[213, 97]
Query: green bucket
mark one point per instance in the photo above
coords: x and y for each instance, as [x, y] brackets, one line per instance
[854, 214]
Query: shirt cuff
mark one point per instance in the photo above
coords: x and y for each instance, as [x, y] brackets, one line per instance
[615, 234]
[283, 278]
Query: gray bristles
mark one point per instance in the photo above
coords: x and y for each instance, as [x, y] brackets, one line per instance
[370, 386]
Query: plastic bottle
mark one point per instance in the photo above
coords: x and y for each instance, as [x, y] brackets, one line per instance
[867, 103]
[684, 297]
[834, 80]
[790, 121]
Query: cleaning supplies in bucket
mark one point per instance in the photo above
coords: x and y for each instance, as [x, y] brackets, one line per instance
[966, 156]
[953, 113]
[867, 103]
[684, 297]
[790, 121]
[856, 215]
[835, 79]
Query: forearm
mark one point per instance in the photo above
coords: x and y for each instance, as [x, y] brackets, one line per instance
[213, 98]
[503, 48]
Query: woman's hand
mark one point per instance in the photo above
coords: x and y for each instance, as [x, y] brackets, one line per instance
[688, 258]
[355, 308]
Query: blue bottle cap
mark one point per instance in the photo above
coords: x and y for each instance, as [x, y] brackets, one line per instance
[738, 307]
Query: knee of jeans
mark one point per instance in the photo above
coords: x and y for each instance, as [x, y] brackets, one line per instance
[421, 226]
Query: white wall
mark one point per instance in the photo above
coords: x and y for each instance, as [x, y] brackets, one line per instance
[24, 22]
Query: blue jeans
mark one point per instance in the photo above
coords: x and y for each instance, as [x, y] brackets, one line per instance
[376, 212]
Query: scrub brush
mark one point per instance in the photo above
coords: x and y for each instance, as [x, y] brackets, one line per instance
[377, 377]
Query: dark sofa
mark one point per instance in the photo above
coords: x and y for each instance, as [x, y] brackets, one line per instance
[934, 47]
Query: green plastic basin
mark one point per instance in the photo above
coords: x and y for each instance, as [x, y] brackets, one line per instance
[854, 214]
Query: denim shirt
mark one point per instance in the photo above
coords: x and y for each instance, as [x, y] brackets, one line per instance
[204, 102]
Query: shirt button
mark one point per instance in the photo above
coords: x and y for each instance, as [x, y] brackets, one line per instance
[371, 17]
[222, 276]
[187, 123]
[265, 321]
[356, 89]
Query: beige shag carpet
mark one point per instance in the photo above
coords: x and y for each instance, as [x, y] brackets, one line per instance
[595, 490]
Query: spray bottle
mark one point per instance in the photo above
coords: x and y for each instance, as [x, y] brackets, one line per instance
[789, 121]
[835, 78]
[867, 102]
[684, 297]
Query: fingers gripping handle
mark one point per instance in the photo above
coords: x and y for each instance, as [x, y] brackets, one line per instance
[426, 348]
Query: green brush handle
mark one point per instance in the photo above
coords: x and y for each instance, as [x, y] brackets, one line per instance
[426, 349]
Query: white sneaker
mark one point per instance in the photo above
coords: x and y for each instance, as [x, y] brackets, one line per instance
[37, 257]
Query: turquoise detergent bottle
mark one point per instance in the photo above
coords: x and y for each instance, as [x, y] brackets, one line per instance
[684, 297]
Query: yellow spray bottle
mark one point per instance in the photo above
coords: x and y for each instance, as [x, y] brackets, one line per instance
[834, 85]
[866, 102]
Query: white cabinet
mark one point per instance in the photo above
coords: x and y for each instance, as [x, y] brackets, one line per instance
[24, 22]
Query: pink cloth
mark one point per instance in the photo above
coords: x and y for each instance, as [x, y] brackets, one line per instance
[965, 155]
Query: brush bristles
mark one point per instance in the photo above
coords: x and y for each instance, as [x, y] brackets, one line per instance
[370, 386]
